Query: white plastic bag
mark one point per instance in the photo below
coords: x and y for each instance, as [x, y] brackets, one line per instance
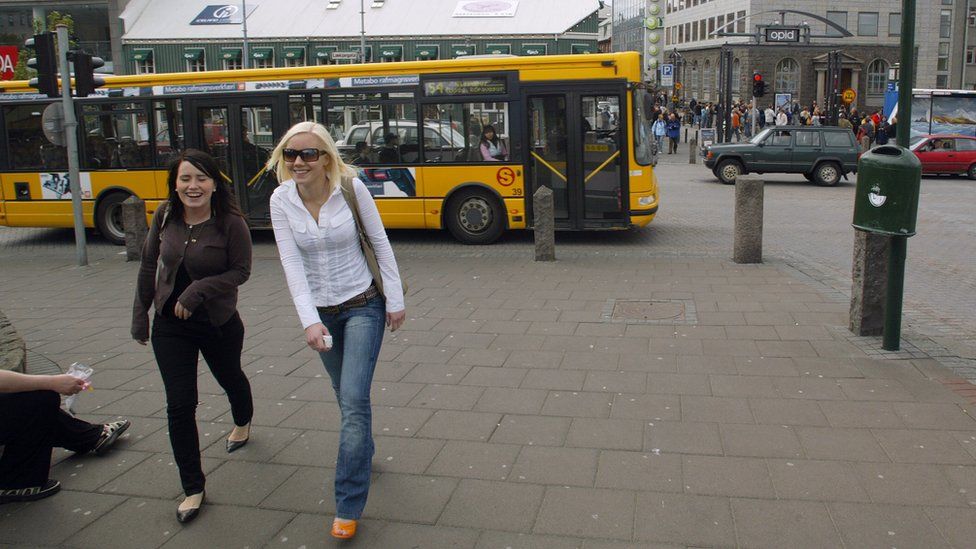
[79, 371]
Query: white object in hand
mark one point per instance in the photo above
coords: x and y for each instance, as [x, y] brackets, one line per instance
[82, 372]
[327, 339]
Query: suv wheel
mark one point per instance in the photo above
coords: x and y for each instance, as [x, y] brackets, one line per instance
[826, 174]
[728, 170]
[972, 172]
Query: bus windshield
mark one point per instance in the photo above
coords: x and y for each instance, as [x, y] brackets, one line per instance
[645, 148]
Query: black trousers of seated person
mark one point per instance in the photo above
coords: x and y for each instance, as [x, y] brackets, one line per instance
[177, 345]
[31, 424]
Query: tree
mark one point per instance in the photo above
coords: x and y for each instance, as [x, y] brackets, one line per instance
[21, 72]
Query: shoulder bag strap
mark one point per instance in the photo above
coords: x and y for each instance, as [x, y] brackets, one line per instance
[349, 193]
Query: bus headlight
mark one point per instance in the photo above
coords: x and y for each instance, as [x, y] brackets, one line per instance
[646, 200]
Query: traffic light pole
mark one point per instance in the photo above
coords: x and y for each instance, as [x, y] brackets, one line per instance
[71, 139]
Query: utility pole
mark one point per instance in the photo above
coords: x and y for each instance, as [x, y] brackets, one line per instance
[245, 58]
[71, 139]
[362, 31]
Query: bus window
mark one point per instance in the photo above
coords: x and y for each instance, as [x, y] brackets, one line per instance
[29, 149]
[644, 144]
[116, 136]
[453, 132]
[169, 130]
[388, 128]
[304, 107]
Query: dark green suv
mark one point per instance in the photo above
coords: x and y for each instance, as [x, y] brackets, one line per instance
[823, 154]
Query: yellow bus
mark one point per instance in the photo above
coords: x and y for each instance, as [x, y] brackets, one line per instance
[574, 123]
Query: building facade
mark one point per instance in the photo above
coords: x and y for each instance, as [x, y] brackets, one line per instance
[169, 36]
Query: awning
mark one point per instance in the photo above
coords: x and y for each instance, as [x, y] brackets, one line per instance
[262, 53]
[230, 54]
[533, 49]
[498, 49]
[297, 52]
[427, 52]
[324, 52]
[582, 48]
[391, 52]
[142, 55]
[193, 54]
[369, 52]
[461, 51]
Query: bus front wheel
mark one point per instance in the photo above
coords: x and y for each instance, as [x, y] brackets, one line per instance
[475, 217]
[108, 217]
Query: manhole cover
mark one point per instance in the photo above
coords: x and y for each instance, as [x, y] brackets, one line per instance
[648, 310]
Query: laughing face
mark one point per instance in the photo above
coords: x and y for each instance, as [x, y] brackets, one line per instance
[194, 187]
[309, 171]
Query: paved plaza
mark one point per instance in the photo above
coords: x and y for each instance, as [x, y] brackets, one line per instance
[637, 395]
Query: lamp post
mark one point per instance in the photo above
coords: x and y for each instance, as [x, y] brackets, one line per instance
[362, 31]
[244, 55]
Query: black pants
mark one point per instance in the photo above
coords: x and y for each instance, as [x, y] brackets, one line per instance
[673, 144]
[31, 424]
[177, 345]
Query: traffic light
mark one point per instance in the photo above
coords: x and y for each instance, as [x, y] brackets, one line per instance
[85, 79]
[45, 63]
[758, 86]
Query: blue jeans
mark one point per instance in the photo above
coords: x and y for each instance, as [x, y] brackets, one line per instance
[356, 337]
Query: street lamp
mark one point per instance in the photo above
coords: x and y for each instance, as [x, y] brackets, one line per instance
[362, 31]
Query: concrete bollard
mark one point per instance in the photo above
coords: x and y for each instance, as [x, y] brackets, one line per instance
[747, 246]
[545, 225]
[136, 229]
[693, 151]
[869, 283]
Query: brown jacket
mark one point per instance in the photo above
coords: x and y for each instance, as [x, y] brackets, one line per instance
[218, 260]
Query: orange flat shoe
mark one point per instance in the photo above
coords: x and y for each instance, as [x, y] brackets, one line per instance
[343, 528]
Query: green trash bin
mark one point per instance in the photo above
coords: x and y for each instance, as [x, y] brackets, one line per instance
[888, 180]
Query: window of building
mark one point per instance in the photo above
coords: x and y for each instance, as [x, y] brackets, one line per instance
[942, 81]
[694, 32]
[695, 80]
[894, 24]
[838, 18]
[740, 25]
[707, 81]
[972, 16]
[144, 61]
[877, 77]
[426, 53]
[232, 59]
[787, 79]
[262, 58]
[681, 34]
[736, 77]
[701, 30]
[942, 63]
[294, 56]
[390, 54]
[946, 2]
[867, 24]
[720, 24]
[971, 55]
[323, 55]
[945, 24]
[711, 25]
[195, 60]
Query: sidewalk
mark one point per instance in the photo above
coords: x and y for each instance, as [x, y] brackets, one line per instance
[606, 400]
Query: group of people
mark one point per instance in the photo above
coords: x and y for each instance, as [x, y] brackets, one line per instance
[196, 256]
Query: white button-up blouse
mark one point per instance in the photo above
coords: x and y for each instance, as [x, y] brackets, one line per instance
[324, 262]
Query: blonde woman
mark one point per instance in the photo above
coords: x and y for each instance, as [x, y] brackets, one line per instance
[337, 300]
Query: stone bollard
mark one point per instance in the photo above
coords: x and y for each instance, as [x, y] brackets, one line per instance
[136, 229]
[543, 210]
[13, 351]
[747, 247]
[693, 151]
[869, 283]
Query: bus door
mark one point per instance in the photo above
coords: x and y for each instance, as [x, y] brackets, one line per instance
[241, 133]
[576, 147]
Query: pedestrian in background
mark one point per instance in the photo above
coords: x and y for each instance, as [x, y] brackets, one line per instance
[674, 133]
[338, 301]
[201, 247]
[659, 129]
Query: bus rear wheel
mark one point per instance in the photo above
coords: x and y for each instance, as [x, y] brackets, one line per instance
[475, 217]
[108, 217]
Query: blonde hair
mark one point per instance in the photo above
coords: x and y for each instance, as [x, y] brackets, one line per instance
[336, 169]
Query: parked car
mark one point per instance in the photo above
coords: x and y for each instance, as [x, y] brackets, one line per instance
[438, 136]
[954, 154]
[823, 154]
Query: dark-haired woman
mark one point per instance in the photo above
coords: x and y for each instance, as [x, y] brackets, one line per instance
[201, 247]
[492, 148]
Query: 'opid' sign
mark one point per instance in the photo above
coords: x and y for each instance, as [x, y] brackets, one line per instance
[783, 34]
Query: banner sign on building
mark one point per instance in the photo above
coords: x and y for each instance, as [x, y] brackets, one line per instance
[486, 8]
[8, 60]
[223, 14]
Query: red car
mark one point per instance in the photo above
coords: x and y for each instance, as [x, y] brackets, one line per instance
[946, 154]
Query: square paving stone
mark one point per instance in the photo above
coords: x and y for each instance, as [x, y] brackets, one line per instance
[958, 526]
[484, 376]
[152, 435]
[715, 409]
[778, 524]
[536, 359]
[426, 495]
[878, 415]
[615, 434]
[511, 401]
[843, 444]
[587, 512]
[678, 384]
[760, 441]
[589, 361]
[818, 480]
[694, 364]
[138, 404]
[726, 476]
[454, 425]
[765, 366]
[627, 382]
[417, 535]
[646, 407]
[148, 523]
[562, 466]
[875, 389]
[920, 415]
[447, 397]
[88, 472]
[493, 505]
[231, 526]
[320, 416]
[264, 444]
[307, 530]
[577, 404]
[787, 411]
[908, 484]
[503, 540]
[404, 455]
[650, 363]
[872, 525]
[739, 386]
[156, 476]
[245, 483]
[313, 448]
[399, 422]
[964, 479]
[308, 490]
[683, 438]
[922, 446]
[475, 460]
[532, 430]
[267, 412]
[555, 380]
[684, 519]
[809, 388]
[426, 355]
[31, 523]
[445, 374]
[650, 471]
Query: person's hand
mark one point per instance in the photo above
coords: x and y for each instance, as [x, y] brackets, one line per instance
[313, 337]
[67, 385]
[181, 312]
[395, 320]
